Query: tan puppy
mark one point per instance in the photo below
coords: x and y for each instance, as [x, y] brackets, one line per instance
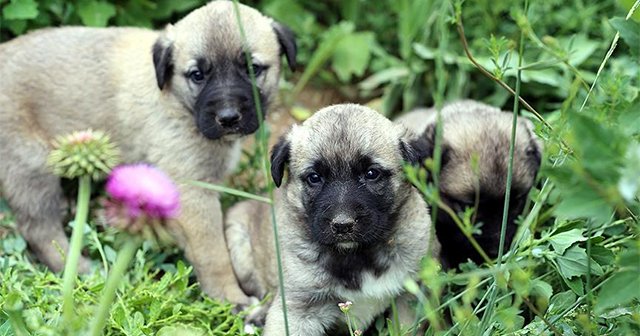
[351, 227]
[472, 129]
[180, 98]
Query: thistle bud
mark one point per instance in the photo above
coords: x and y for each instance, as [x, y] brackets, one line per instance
[84, 153]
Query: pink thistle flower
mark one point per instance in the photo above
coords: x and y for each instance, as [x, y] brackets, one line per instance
[143, 191]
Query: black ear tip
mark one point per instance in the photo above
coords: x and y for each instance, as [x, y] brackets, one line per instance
[277, 182]
[415, 151]
[418, 148]
[162, 60]
[287, 40]
[279, 158]
[534, 153]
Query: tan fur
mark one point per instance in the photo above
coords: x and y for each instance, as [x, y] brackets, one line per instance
[471, 129]
[55, 81]
[312, 294]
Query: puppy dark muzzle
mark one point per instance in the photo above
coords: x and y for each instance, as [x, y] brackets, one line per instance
[456, 248]
[223, 110]
[343, 224]
[228, 117]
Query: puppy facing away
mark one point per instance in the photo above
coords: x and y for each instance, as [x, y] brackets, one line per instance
[473, 131]
[180, 98]
[351, 227]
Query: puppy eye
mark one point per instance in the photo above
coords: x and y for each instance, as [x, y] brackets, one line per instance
[196, 76]
[314, 179]
[257, 69]
[372, 174]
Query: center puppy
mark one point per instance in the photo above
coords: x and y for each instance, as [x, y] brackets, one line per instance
[351, 227]
[180, 98]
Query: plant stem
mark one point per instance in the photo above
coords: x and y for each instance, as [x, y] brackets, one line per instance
[613, 46]
[75, 248]
[17, 321]
[123, 260]
[413, 178]
[466, 233]
[262, 141]
[465, 46]
[349, 324]
[507, 197]
[588, 284]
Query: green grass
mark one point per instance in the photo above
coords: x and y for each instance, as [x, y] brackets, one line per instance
[574, 267]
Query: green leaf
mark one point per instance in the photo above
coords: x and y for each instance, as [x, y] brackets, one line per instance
[135, 13]
[622, 288]
[629, 184]
[616, 312]
[384, 76]
[542, 292]
[630, 257]
[352, 54]
[291, 13]
[165, 8]
[17, 27]
[581, 48]
[5, 329]
[95, 13]
[180, 330]
[300, 113]
[575, 284]
[330, 39]
[602, 255]
[20, 10]
[509, 319]
[561, 301]
[629, 31]
[574, 263]
[563, 240]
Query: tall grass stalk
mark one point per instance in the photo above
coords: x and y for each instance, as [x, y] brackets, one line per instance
[230, 191]
[75, 248]
[507, 197]
[438, 98]
[484, 71]
[262, 142]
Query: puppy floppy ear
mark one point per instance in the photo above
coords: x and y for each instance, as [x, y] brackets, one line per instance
[287, 41]
[163, 60]
[534, 149]
[279, 158]
[416, 149]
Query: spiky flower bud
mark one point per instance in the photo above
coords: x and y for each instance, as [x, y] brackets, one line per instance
[83, 153]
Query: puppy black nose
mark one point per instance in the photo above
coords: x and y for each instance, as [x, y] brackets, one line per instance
[342, 224]
[227, 117]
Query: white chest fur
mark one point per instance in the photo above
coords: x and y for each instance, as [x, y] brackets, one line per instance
[374, 295]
